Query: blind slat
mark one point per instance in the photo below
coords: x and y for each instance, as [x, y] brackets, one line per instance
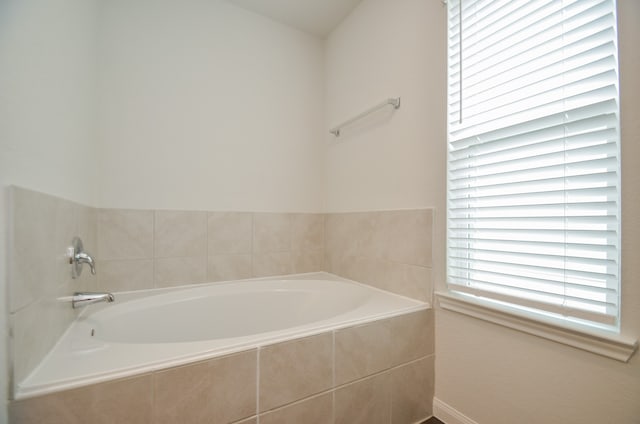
[533, 201]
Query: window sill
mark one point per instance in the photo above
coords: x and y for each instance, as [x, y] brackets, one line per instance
[611, 346]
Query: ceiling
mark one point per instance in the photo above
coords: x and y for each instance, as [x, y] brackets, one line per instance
[317, 17]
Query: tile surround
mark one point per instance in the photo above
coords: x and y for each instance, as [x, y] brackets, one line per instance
[271, 232]
[273, 263]
[144, 249]
[286, 382]
[128, 401]
[294, 370]
[219, 390]
[362, 350]
[32, 242]
[41, 228]
[230, 233]
[390, 250]
[125, 275]
[190, 247]
[125, 234]
[229, 267]
[366, 401]
[314, 410]
[179, 234]
[412, 390]
[170, 272]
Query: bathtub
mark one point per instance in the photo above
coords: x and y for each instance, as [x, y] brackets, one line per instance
[156, 329]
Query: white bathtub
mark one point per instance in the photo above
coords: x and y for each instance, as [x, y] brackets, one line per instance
[147, 331]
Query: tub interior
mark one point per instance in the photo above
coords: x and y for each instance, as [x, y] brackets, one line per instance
[245, 313]
[145, 332]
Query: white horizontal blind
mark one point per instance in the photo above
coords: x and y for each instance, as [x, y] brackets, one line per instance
[533, 158]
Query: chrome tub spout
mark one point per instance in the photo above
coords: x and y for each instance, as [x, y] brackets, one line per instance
[83, 299]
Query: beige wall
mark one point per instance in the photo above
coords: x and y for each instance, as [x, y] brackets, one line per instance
[48, 82]
[205, 106]
[392, 161]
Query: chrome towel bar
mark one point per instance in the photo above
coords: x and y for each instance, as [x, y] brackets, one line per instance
[395, 102]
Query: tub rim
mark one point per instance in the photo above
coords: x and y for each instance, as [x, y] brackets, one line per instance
[26, 389]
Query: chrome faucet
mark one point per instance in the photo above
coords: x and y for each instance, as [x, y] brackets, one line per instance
[85, 258]
[80, 299]
[78, 257]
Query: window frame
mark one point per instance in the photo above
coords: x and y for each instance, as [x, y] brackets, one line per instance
[602, 342]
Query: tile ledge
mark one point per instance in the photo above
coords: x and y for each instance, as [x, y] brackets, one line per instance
[609, 345]
[449, 414]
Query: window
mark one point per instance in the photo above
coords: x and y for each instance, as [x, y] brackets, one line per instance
[533, 157]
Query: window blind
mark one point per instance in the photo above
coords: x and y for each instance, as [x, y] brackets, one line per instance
[533, 155]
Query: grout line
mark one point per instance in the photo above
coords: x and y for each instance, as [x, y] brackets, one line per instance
[333, 405]
[333, 383]
[253, 236]
[153, 247]
[258, 350]
[206, 247]
[333, 359]
[153, 395]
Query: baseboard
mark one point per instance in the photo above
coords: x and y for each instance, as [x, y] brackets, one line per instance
[448, 414]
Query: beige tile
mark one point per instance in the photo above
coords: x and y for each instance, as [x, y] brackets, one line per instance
[125, 234]
[307, 261]
[404, 236]
[267, 264]
[349, 234]
[221, 390]
[342, 265]
[125, 275]
[42, 227]
[36, 328]
[32, 253]
[230, 232]
[390, 250]
[87, 227]
[126, 401]
[366, 270]
[271, 232]
[362, 350]
[314, 410]
[294, 370]
[180, 233]
[87, 230]
[252, 420]
[411, 336]
[372, 271]
[407, 280]
[169, 272]
[366, 401]
[307, 231]
[229, 267]
[415, 282]
[66, 229]
[412, 392]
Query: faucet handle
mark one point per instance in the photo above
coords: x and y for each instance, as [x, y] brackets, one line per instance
[85, 257]
[78, 257]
